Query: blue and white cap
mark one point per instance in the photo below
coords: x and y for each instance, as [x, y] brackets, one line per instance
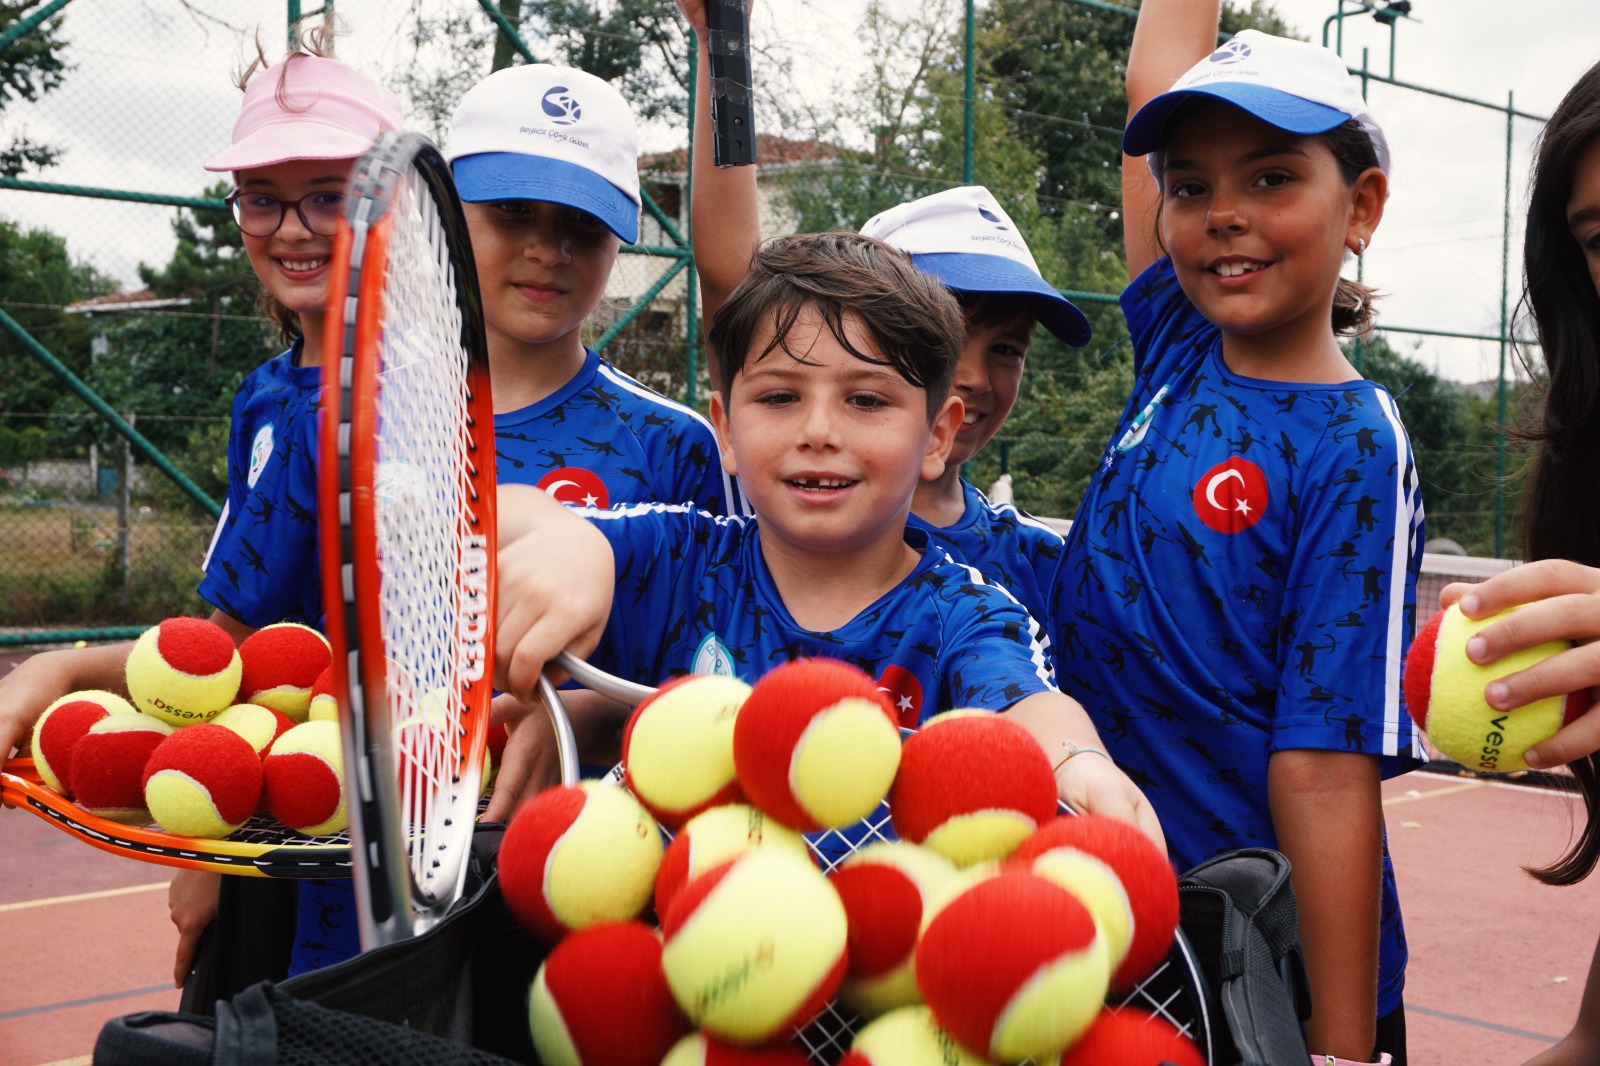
[556, 134]
[1298, 87]
[964, 238]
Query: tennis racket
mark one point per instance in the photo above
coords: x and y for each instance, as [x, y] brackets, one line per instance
[1175, 991]
[733, 117]
[406, 471]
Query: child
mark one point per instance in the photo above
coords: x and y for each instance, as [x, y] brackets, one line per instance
[545, 163]
[1247, 551]
[833, 404]
[300, 129]
[965, 239]
[1561, 287]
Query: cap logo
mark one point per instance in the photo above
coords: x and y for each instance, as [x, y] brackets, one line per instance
[559, 105]
[1235, 51]
[991, 216]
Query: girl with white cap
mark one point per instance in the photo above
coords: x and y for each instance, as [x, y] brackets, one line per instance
[303, 124]
[1253, 534]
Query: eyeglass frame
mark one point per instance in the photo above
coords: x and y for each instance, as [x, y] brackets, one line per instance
[232, 200]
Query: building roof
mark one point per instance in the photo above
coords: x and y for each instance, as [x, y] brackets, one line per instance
[771, 151]
[117, 302]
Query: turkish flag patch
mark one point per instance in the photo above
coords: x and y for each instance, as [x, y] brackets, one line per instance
[1231, 496]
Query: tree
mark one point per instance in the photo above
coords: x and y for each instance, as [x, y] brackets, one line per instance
[31, 67]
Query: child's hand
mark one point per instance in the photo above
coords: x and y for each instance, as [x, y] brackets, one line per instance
[556, 576]
[529, 765]
[1092, 784]
[1563, 602]
[192, 902]
[40, 680]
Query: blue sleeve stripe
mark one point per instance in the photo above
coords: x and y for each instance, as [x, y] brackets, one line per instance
[1403, 528]
[216, 534]
[1038, 641]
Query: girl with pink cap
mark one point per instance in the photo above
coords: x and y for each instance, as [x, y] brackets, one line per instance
[304, 123]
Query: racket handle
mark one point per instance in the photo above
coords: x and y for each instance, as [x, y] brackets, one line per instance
[566, 743]
[732, 84]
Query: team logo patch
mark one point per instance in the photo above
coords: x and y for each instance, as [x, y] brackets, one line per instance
[559, 104]
[991, 216]
[260, 452]
[712, 657]
[1235, 51]
[1231, 496]
[576, 487]
[905, 694]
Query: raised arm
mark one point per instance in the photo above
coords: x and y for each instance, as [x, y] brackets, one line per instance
[1170, 37]
[725, 215]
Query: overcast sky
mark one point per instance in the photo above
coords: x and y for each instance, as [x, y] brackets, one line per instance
[150, 98]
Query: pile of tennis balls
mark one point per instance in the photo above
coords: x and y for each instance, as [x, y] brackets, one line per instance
[210, 734]
[990, 931]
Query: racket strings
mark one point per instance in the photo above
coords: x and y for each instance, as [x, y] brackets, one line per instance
[426, 510]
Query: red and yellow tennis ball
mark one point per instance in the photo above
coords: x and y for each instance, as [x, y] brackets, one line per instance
[1444, 696]
[972, 786]
[600, 999]
[816, 744]
[1013, 967]
[280, 664]
[183, 670]
[908, 1036]
[678, 747]
[1124, 880]
[203, 781]
[324, 705]
[259, 726]
[62, 725]
[108, 765]
[712, 838]
[886, 889]
[305, 780]
[699, 1049]
[754, 946]
[1131, 1037]
[578, 856]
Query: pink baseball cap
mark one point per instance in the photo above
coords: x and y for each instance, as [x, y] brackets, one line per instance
[308, 108]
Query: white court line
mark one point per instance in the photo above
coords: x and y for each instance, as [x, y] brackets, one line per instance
[105, 893]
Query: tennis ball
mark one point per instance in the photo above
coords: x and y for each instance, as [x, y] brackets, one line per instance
[698, 1049]
[183, 670]
[577, 856]
[1132, 1037]
[600, 999]
[203, 781]
[886, 889]
[1121, 876]
[1013, 967]
[62, 725]
[907, 1037]
[754, 946]
[816, 745]
[712, 838]
[323, 705]
[972, 786]
[1444, 696]
[108, 765]
[305, 779]
[259, 726]
[280, 664]
[678, 747]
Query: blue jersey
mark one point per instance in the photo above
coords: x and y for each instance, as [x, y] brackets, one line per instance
[694, 595]
[1241, 577]
[262, 566]
[1008, 546]
[603, 439]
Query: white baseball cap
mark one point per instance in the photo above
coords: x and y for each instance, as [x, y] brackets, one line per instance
[556, 134]
[964, 238]
[1298, 87]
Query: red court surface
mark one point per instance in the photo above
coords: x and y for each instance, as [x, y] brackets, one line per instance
[1497, 967]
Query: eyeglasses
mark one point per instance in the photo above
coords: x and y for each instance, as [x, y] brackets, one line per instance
[260, 215]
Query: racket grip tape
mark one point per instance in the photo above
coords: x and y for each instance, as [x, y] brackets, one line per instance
[732, 84]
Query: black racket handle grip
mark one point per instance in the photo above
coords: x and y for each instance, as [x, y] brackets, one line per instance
[732, 85]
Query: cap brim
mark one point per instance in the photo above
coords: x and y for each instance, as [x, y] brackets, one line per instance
[285, 143]
[968, 272]
[514, 176]
[1147, 129]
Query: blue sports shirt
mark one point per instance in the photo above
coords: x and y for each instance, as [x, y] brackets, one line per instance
[694, 595]
[1241, 580]
[603, 439]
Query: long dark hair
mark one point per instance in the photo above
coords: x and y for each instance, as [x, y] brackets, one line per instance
[1561, 500]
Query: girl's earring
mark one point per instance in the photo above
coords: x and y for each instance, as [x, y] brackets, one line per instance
[1361, 246]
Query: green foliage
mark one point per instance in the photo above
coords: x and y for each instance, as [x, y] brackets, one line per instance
[31, 67]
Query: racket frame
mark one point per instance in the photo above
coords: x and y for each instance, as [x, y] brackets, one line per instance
[733, 117]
